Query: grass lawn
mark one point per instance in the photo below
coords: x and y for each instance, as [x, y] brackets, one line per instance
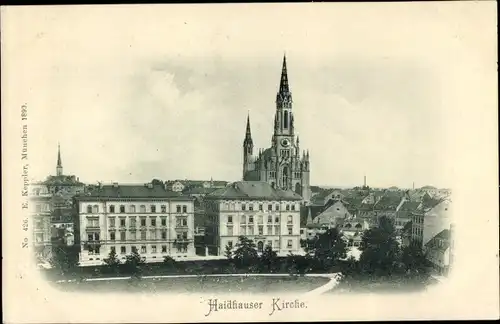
[381, 286]
[198, 285]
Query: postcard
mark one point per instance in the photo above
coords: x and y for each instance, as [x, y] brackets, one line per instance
[250, 162]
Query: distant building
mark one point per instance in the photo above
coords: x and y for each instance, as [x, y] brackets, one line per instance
[40, 211]
[281, 165]
[267, 215]
[145, 218]
[194, 185]
[438, 251]
[432, 217]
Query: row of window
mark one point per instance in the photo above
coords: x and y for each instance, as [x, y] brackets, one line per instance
[250, 230]
[417, 231]
[132, 209]
[260, 245]
[260, 219]
[179, 222]
[250, 206]
[123, 249]
[133, 236]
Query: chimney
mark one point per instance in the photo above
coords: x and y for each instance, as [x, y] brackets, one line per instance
[115, 184]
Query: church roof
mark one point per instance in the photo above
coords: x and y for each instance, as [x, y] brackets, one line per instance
[253, 190]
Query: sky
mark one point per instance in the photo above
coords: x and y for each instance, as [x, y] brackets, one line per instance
[164, 91]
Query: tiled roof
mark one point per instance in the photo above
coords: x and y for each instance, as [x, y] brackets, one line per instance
[443, 236]
[252, 190]
[130, 191]
[198, 191]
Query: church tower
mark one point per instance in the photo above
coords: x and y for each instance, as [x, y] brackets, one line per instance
[248, 149]
[281, 165]
[59, 168]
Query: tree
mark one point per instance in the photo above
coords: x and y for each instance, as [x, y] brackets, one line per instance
[380, 251]
[134, 263]
[64, 258]
[414, 260]
[112, 261]
[298, 264]
[327, 248]
[268, 259]
[245, 253]
[228, 252]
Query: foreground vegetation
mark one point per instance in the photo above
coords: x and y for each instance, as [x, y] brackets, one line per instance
[382, 261]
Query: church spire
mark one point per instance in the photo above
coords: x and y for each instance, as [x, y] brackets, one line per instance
[248, 133]
[284, 78]
[59, 167]
[309, 216]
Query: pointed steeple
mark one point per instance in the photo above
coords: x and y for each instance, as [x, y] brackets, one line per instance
[284, 78]
[309, 216]
[248, 133]
[59, 167]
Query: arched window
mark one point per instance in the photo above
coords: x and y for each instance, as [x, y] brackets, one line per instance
[132, 208]
[142, 209]
[347, 225]
[95, 209]
[285, 119]
[358, 225]
[260, 247]
[89, 209]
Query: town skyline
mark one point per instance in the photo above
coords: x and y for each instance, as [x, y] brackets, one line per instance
[138, 109]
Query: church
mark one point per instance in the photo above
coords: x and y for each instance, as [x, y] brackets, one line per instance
[282, 165]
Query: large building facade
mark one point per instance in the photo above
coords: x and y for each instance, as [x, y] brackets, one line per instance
[282, 165]
[268, 216]
[146, 218]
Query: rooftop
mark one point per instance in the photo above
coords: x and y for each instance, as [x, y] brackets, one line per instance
[253, 190]
[136, 191]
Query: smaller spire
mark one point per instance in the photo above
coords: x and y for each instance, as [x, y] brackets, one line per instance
[248, 133]
[309, 216]
[59, 168]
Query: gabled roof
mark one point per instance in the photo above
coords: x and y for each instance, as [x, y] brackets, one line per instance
[129, 191]
[252, 190]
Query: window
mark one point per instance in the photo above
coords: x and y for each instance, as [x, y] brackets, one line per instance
[250, 207]
[289, 244]
[143, 249]
[122, 209]
[229, 219]
[270, 244]
[112, 236]
[269, 219]
[287, 207]
[153, 221]
[230, 231]
[261, 219]
[133, 222]
[290, 230]
[269, 207]
[143, 221]
[163, 222]
[163, 208]
[163, 249]
[269, 230]
[132, 208]
[123, 250]
[185, 209]
[89, 209]
[112, 208]
[261, 207]
[122, 236]
[243, 207]
[293, 207]
[142, 208]
[122, 222]
[243, 230]
[153, 248]
[134, 249]
[250, 230]
[111, 222]
[277, 207]
[250, 219]
[153, 235]
[276, 219]
[277, 244]
[261, 230]
[178, 208]
[143, 235]
[230, 244]
[153, 208]
[39, 237]
[95, 209]
[163, 235]
[133, 235]
[243, 219]
[113, 249]
[290, 219]
[276, 230]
